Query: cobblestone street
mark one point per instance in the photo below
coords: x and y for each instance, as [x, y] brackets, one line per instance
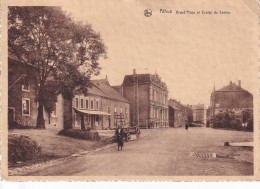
[166, 151]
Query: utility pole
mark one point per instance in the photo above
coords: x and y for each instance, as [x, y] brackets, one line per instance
[136, 102]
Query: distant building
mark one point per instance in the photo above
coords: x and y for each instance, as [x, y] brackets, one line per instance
[179, 113]
[198, 113]
[148, 97]
[176, 115]
[22, 97]
[233, 99]
[188, 113]
[102, 108]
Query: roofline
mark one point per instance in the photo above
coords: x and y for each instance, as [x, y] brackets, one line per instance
[107, 97]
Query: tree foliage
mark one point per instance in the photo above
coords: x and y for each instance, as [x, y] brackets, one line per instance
[64, 53]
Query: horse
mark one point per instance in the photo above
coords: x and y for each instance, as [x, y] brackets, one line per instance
[119, 138]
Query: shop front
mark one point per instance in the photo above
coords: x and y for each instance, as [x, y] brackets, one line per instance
[92, 119]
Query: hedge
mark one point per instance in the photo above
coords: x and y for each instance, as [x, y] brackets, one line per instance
[21, 148]
[15, 125]
[79, 134]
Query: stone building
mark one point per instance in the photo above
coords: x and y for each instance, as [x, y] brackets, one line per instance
[232, 99]
[102, 108]
[22, 97]
[148, 97]
[198, 113]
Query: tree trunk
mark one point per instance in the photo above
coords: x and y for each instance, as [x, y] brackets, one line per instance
[67, 113]
[82, 122]
[40, 118]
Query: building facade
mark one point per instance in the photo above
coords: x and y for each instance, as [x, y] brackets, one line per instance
[198, 113]
[232, 99]
[22, 97]
[148, 97]
[102, 108]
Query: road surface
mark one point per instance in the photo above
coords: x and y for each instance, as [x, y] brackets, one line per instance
[165, 152]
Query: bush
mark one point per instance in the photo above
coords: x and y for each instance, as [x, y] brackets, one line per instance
[21, 148]
[79, 134]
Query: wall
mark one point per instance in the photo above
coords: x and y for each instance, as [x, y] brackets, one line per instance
[15, 94]
[144, 106]
[231, 99]
[55, 122]
[118, 105]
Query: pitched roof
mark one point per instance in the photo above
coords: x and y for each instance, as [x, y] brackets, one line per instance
[231, 87]
[117, 88]
[232, 96]
[103, 88]
[142, 78]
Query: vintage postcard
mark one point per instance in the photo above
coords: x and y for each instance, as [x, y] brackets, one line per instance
[132, 90]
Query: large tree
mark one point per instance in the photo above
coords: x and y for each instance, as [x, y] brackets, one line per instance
[58, 48]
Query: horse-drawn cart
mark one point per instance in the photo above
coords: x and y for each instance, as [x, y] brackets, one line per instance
[131, 131]
[127, 131]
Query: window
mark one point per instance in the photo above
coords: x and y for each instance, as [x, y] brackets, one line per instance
[121, 110]
[26, 107]
[87, 104]
[76, 102]
[92, 104]
[97, 104]
[26, 88]
[54, 112]
[115, 109]
[126, 112]
[25, 85]
[81, 103]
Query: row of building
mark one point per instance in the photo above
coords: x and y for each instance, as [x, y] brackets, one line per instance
[141, 99]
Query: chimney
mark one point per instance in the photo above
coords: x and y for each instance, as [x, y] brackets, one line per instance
[106, 77]
[134, 71]
[230, 83]
[239, 83]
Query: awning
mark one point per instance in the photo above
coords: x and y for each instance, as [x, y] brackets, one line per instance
[93, 112]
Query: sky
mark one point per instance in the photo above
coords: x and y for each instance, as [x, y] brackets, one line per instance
[189, 52]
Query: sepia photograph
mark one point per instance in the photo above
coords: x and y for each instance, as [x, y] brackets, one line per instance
[119, 90]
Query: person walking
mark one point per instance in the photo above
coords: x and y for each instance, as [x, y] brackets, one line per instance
[186, 125]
